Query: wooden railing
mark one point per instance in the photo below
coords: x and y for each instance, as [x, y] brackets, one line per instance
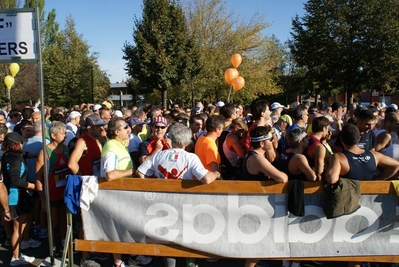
[218, 187]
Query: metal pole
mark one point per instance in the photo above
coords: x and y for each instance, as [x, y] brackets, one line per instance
[45, 166]
[92, 85]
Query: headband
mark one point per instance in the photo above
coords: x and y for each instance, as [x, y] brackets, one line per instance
[261, 138]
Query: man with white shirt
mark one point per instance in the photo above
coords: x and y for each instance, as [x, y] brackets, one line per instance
[72, 126]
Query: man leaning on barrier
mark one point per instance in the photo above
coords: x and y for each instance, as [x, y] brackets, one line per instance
[176, 163]
[115, 164]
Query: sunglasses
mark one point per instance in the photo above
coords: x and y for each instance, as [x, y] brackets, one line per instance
[125, 127]
[313, 111]
[159, 127]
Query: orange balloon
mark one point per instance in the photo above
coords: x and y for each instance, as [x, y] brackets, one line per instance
[238, 83]
[236, 60]
[230, 74]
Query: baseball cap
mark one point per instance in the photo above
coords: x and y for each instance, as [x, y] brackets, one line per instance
[135, 121]
[97, 107]
[159, 119]
[94, 120]
[393, 106]
[74, 114]
[219, 104]
[276, 105]
[13, 137]
[198, 109]
[118, 113]
[286, 118]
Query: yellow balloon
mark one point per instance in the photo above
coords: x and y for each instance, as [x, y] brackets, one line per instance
[9, 81]
[14, 69]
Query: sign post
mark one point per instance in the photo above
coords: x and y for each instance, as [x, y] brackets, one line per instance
[20, 42]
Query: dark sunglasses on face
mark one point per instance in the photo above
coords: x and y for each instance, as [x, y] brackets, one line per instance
[159, 127]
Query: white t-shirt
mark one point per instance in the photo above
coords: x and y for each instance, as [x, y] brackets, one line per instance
[173, 163]
[134, 142]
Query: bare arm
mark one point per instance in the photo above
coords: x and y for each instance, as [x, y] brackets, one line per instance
[234, 144]
[209, 177]
[303, 166]
[4, 201]
[80, 147]
[334, 170]
[319, 155]
[117, 174]
[259, 163]
[39, 178]
[382, 141]
[388, 166]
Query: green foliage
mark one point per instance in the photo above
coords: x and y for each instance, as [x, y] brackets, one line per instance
[67, 69]
[219, 34]
[162, 56]
[350, 45]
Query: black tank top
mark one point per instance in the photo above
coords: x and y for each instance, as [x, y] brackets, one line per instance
[361, 167]
[284, 161]
[251, 177]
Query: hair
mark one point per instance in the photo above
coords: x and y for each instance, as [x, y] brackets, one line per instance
[24, 123]
[257, 107]
[391, 117]
[14, 112]
[138, 113]
[211, 108]
[196, 117]
[127, 112]
[57, 117]
[365, 115]
[390, 109]
[214, 122]
[182, 116]
[180, 135]
[240, 124]
[298, 112]
[257, 132]
[173, 113]
[27, 113]
[37, 126]
[350, 134]
[319, 123]
[228, 110]
[113, 125]
[55, 127]
[294, 136]
[14, 147]
[3, 128]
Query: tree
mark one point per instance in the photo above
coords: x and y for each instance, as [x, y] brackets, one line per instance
[348, 44]
[219, 33]
[67, 69]
[162, 56]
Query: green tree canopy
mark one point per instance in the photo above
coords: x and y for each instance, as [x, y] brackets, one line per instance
[348, 44]
[162, 56]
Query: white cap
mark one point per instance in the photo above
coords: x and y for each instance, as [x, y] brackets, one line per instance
[118, 113]
[393, 106]
[97, 107]
[219, 104]
[276, 105]
[74, 114]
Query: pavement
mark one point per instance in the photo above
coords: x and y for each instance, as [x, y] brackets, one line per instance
[42, 253]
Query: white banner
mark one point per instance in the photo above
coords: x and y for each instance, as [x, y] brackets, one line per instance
[243, 226]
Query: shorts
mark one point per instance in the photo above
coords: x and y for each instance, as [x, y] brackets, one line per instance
[24, 205]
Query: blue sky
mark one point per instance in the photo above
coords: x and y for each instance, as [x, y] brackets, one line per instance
[106, 25]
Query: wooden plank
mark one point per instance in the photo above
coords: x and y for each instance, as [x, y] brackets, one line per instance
[178, 251]
[230, 187]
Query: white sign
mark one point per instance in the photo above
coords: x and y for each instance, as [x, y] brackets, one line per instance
[17, 36]
[374, 93]
[243, 226]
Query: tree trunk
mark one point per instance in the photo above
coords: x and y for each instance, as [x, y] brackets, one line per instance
[165, 99]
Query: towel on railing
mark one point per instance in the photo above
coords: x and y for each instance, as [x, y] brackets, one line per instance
[88, 191]
[341, 198]
[296, 197]
[72, 193]
[395, 184]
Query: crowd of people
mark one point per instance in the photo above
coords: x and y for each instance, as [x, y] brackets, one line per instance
[260, 142]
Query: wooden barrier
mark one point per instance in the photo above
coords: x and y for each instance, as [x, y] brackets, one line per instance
[218, 187]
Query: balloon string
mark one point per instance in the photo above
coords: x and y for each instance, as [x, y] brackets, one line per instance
[228, 99]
